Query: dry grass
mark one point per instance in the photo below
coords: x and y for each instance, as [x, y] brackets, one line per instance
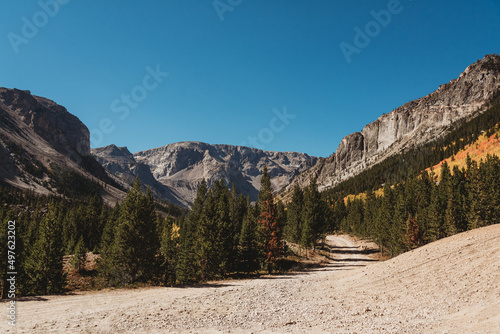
[476, 151]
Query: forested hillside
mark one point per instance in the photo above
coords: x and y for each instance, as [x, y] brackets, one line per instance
[410, 162]
[141, 241]
[418, 205]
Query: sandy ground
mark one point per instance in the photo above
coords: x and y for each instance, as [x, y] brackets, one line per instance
[450, 286]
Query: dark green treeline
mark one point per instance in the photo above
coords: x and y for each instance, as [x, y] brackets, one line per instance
[226, 234]
[421, 209]
[223, 234]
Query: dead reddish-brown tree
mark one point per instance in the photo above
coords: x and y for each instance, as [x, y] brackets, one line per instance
[273, 243]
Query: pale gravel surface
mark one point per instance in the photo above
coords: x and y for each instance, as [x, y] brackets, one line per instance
[450, 286]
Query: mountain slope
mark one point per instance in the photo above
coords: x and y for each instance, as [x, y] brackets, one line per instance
[119, 162]
[180, 167]
[46, 149]
[411, 125]
[183, 165]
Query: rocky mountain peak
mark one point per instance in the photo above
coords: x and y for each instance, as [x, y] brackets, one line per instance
[180, 167]
[52, 122]
[412, 124]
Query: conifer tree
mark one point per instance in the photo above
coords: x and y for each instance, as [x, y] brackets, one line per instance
[208, 246]
[237, 211]
[294, 216]
[385, 218]
[369, 213]
[281, 216]
[474, 194]
[79, 256]
[170, 238]
[399, 224]
[272, 234]
[248, 253]
[109, 230]
[131, 258]
[412, 234]
[225, 228]
[45, 266]
[313, 215]
[187, 267]
[265, 189]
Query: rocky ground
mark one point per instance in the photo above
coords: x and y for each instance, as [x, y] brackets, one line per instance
[450, 286]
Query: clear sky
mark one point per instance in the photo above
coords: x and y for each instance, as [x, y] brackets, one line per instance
[282, 75]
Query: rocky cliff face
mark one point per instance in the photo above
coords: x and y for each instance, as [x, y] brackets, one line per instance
[119, 162]
[38, 137]
[47, 119]
[415, 123]
[180, 167]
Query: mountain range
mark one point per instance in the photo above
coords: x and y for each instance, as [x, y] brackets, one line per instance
[46, 149]
[177, 169]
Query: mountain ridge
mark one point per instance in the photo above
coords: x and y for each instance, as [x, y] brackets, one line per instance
[42, 146]
[36, 133]
[412, 124]
[181, 166]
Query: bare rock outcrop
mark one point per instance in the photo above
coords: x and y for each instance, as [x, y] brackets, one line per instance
[182, 166]
[413, 124]
[62, 130]
[120, 163]
[40, 140]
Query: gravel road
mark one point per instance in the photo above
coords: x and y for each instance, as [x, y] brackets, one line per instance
[450, 286]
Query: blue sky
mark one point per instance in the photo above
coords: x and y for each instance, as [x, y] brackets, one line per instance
[268, 74]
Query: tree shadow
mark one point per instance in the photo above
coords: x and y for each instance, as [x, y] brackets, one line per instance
[31, 298]
[347, 250]
[204, 285]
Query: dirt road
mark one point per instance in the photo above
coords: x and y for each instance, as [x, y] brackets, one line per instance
[451, 286]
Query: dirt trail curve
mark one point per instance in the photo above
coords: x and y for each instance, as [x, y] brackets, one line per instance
[451, 286]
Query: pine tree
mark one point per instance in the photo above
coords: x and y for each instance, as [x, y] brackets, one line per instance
[490, 189]
[170, 238]
[208, 244]
[248, 253]
[91, 223]
[79, 256]
[272, 235]
[369, 213]
[265, 189]
[412, 233]
[313, 215]
[109, 230]
[399, 224]
[281, 216]
[385, 219]
[45, 266]
[132, 257]
[474, 195]
[189, 243]
[435, 217]
[237, 212]
[294, 216]
[226, 230]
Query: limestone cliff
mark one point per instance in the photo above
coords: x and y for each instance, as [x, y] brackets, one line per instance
[415, 123]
